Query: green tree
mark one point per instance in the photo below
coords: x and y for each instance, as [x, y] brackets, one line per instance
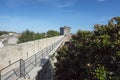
[91, 55]
[44, 35]
[51, 33]
[3, 32]
[27, 36]
[72, 60]
[107, 40]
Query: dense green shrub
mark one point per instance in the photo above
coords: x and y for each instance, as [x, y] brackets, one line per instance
[30, 35]
[91, 55]
[3, 32]
[51, 33]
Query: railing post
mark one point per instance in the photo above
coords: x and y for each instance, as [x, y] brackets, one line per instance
[35, 60]
[22, 68]
[52, 46]
[0, 75]
[47, 50]
[42, 54]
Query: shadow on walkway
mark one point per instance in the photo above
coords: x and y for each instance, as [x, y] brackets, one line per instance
[46, 73]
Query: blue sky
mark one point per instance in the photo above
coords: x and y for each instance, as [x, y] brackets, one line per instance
[43, 15]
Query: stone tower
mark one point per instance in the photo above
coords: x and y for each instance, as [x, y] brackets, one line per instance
[65, 31]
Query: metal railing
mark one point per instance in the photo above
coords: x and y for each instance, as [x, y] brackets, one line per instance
[21, 68]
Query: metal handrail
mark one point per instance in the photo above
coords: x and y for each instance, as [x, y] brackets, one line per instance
[10, 65]
[32, 60]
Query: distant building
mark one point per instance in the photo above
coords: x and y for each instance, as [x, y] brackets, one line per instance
[65, 31]
[9, 39]
[1, 43]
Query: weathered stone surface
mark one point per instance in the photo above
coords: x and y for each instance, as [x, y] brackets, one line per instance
[9, 54]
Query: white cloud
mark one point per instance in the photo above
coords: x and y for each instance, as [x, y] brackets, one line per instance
[65, 3]
[100, 0]
[57, 3]
[43, 0]
[104, 19]
[14, 3]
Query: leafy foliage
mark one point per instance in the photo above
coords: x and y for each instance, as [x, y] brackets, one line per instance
[52, 33]
[30, 35]
[91, 55]
[3, 32]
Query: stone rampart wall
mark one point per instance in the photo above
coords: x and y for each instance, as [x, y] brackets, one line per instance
[12, 53]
